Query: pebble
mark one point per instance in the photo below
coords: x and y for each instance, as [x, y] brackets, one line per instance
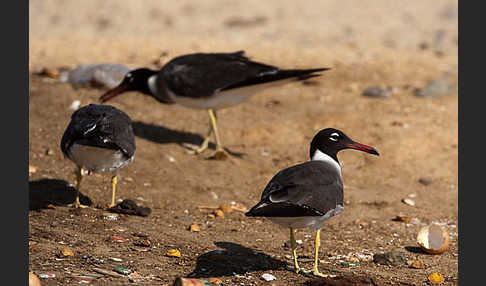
[268, 277]
[425, 181]
[435, 88]
[376, 91]
[98, 75]
[394, 258]
[75, 105]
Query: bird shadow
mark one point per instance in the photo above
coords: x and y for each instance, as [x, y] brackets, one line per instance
[234, 259]
[45, 192]
[164, 135]
[415, 249]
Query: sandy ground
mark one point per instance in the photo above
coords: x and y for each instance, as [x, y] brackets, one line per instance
[401, 45]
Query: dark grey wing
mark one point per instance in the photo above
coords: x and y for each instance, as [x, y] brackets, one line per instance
[309, 189]
[116, 128]
[101, 126]
[201, 75]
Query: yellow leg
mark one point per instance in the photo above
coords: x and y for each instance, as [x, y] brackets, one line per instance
[79, 177]
[194, 149]
[293, 245]
[315, 270]
[220, 153]
[113, 190]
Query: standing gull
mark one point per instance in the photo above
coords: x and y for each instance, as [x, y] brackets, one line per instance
[99, 138]
[209, 81]
[308, 194]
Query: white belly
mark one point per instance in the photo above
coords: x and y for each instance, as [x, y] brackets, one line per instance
[314, 222]
[97, 159]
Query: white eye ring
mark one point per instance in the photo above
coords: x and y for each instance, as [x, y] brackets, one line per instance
[334, 136]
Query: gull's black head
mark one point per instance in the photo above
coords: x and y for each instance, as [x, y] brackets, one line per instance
[135, 80]
[330, 141]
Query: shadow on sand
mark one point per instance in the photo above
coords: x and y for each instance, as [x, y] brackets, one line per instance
[53, 191]
[164, 135]
[233, 258]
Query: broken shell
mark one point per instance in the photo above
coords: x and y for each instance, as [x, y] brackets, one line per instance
[239, 207]
[32, 169]
[403, 218]
[173, 253]
[268, 277]
[50, 72]
[219, 213]
[194, 227]
[436, 278]
[433, 239]
[67, 252]
[352, 259]
[226, 208]
[417, 264]
[408, 202]
[34, 280]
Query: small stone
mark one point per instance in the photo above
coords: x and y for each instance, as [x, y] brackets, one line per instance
[75, 105]
[425, 181]
[173, 253]
[142, 242]
[435, 88]
[393, 258]
[376, 91]
[436, 278]
[361, 224]
[268, 277]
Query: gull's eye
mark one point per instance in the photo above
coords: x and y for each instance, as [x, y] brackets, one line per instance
[334, 136]
[129, 77]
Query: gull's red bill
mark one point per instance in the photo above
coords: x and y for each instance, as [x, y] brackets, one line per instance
[113, 92]
[362, 147]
